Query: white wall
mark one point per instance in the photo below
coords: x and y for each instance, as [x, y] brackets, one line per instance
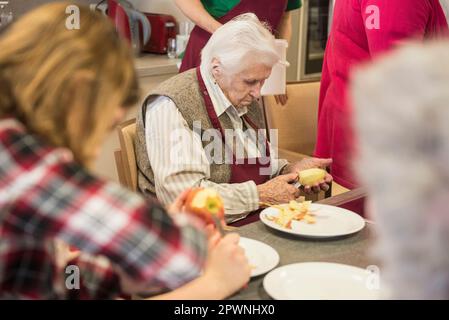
[160, 6]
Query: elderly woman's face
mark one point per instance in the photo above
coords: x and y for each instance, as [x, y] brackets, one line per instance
[243, 87]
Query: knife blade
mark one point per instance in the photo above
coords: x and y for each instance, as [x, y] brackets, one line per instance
[218, 225]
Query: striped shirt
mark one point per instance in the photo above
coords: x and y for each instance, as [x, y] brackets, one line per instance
[162, 119]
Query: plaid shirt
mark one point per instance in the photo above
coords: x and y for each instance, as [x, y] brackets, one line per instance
[46, 196]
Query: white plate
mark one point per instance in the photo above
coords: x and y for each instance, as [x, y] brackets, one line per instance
[260, 255]
[321, 281]
[330, 222]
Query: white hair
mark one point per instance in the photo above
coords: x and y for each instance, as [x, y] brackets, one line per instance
[402, 119]
[241, 38]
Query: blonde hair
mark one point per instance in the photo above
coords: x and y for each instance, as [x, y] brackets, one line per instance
[245, 36]
[66, 85]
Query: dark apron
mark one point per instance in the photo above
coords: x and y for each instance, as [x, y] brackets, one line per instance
[269, 11]
[242, 170]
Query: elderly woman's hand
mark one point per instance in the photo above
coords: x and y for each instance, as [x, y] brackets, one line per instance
[309, 163]
[279, 190]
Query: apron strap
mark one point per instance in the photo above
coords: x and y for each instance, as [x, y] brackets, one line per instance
[255, 127]
[208, 102]
[213, 115]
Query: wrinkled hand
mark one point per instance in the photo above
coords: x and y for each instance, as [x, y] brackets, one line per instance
[281, 99]
[279, 190]
[309, 163]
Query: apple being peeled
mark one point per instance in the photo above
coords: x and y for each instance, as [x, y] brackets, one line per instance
[205, 202]
[311, 176]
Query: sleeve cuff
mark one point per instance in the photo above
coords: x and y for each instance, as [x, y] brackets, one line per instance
[251, 202]
[282, 163]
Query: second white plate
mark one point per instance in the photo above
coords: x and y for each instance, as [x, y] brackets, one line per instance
[321, 281]
[261, 256]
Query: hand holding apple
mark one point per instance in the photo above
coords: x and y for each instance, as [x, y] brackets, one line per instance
[205, 202]
[311, 175]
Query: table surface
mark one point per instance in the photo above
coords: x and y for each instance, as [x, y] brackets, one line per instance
[352, 250]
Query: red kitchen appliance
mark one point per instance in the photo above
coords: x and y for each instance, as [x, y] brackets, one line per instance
[130, 23]
[163, 27]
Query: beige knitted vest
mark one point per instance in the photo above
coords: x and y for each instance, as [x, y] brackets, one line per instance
[183, 89]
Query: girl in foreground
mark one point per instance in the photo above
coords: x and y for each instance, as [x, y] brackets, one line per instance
[61, 92]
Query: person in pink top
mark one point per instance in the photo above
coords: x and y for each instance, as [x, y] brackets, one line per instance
[362, 29]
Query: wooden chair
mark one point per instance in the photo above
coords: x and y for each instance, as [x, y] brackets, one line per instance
[296, 122]
[125, 157]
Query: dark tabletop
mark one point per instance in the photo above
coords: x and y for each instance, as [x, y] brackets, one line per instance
[351, 250]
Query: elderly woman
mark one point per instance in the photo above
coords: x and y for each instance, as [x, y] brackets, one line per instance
[402, 117]
[218, 101]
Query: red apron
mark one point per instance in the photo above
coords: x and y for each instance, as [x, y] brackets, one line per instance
[269, 11]
[242, 170]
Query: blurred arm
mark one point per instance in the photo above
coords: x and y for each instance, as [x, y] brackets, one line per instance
[195, 11]
[285, 27]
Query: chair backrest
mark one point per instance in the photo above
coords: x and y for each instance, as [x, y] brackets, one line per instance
[297, 120]
[296, 123]
[125, 158]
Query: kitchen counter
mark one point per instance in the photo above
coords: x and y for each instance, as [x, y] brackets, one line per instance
[148, 65]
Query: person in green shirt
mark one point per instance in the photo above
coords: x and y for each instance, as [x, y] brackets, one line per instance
[209, 15]
[218, 8]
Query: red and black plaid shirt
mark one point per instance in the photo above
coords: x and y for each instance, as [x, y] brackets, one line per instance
[46, 196]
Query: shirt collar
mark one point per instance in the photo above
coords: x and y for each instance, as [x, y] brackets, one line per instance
[219, 100]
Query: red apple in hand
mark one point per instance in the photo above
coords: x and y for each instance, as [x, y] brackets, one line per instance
[205, 202]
